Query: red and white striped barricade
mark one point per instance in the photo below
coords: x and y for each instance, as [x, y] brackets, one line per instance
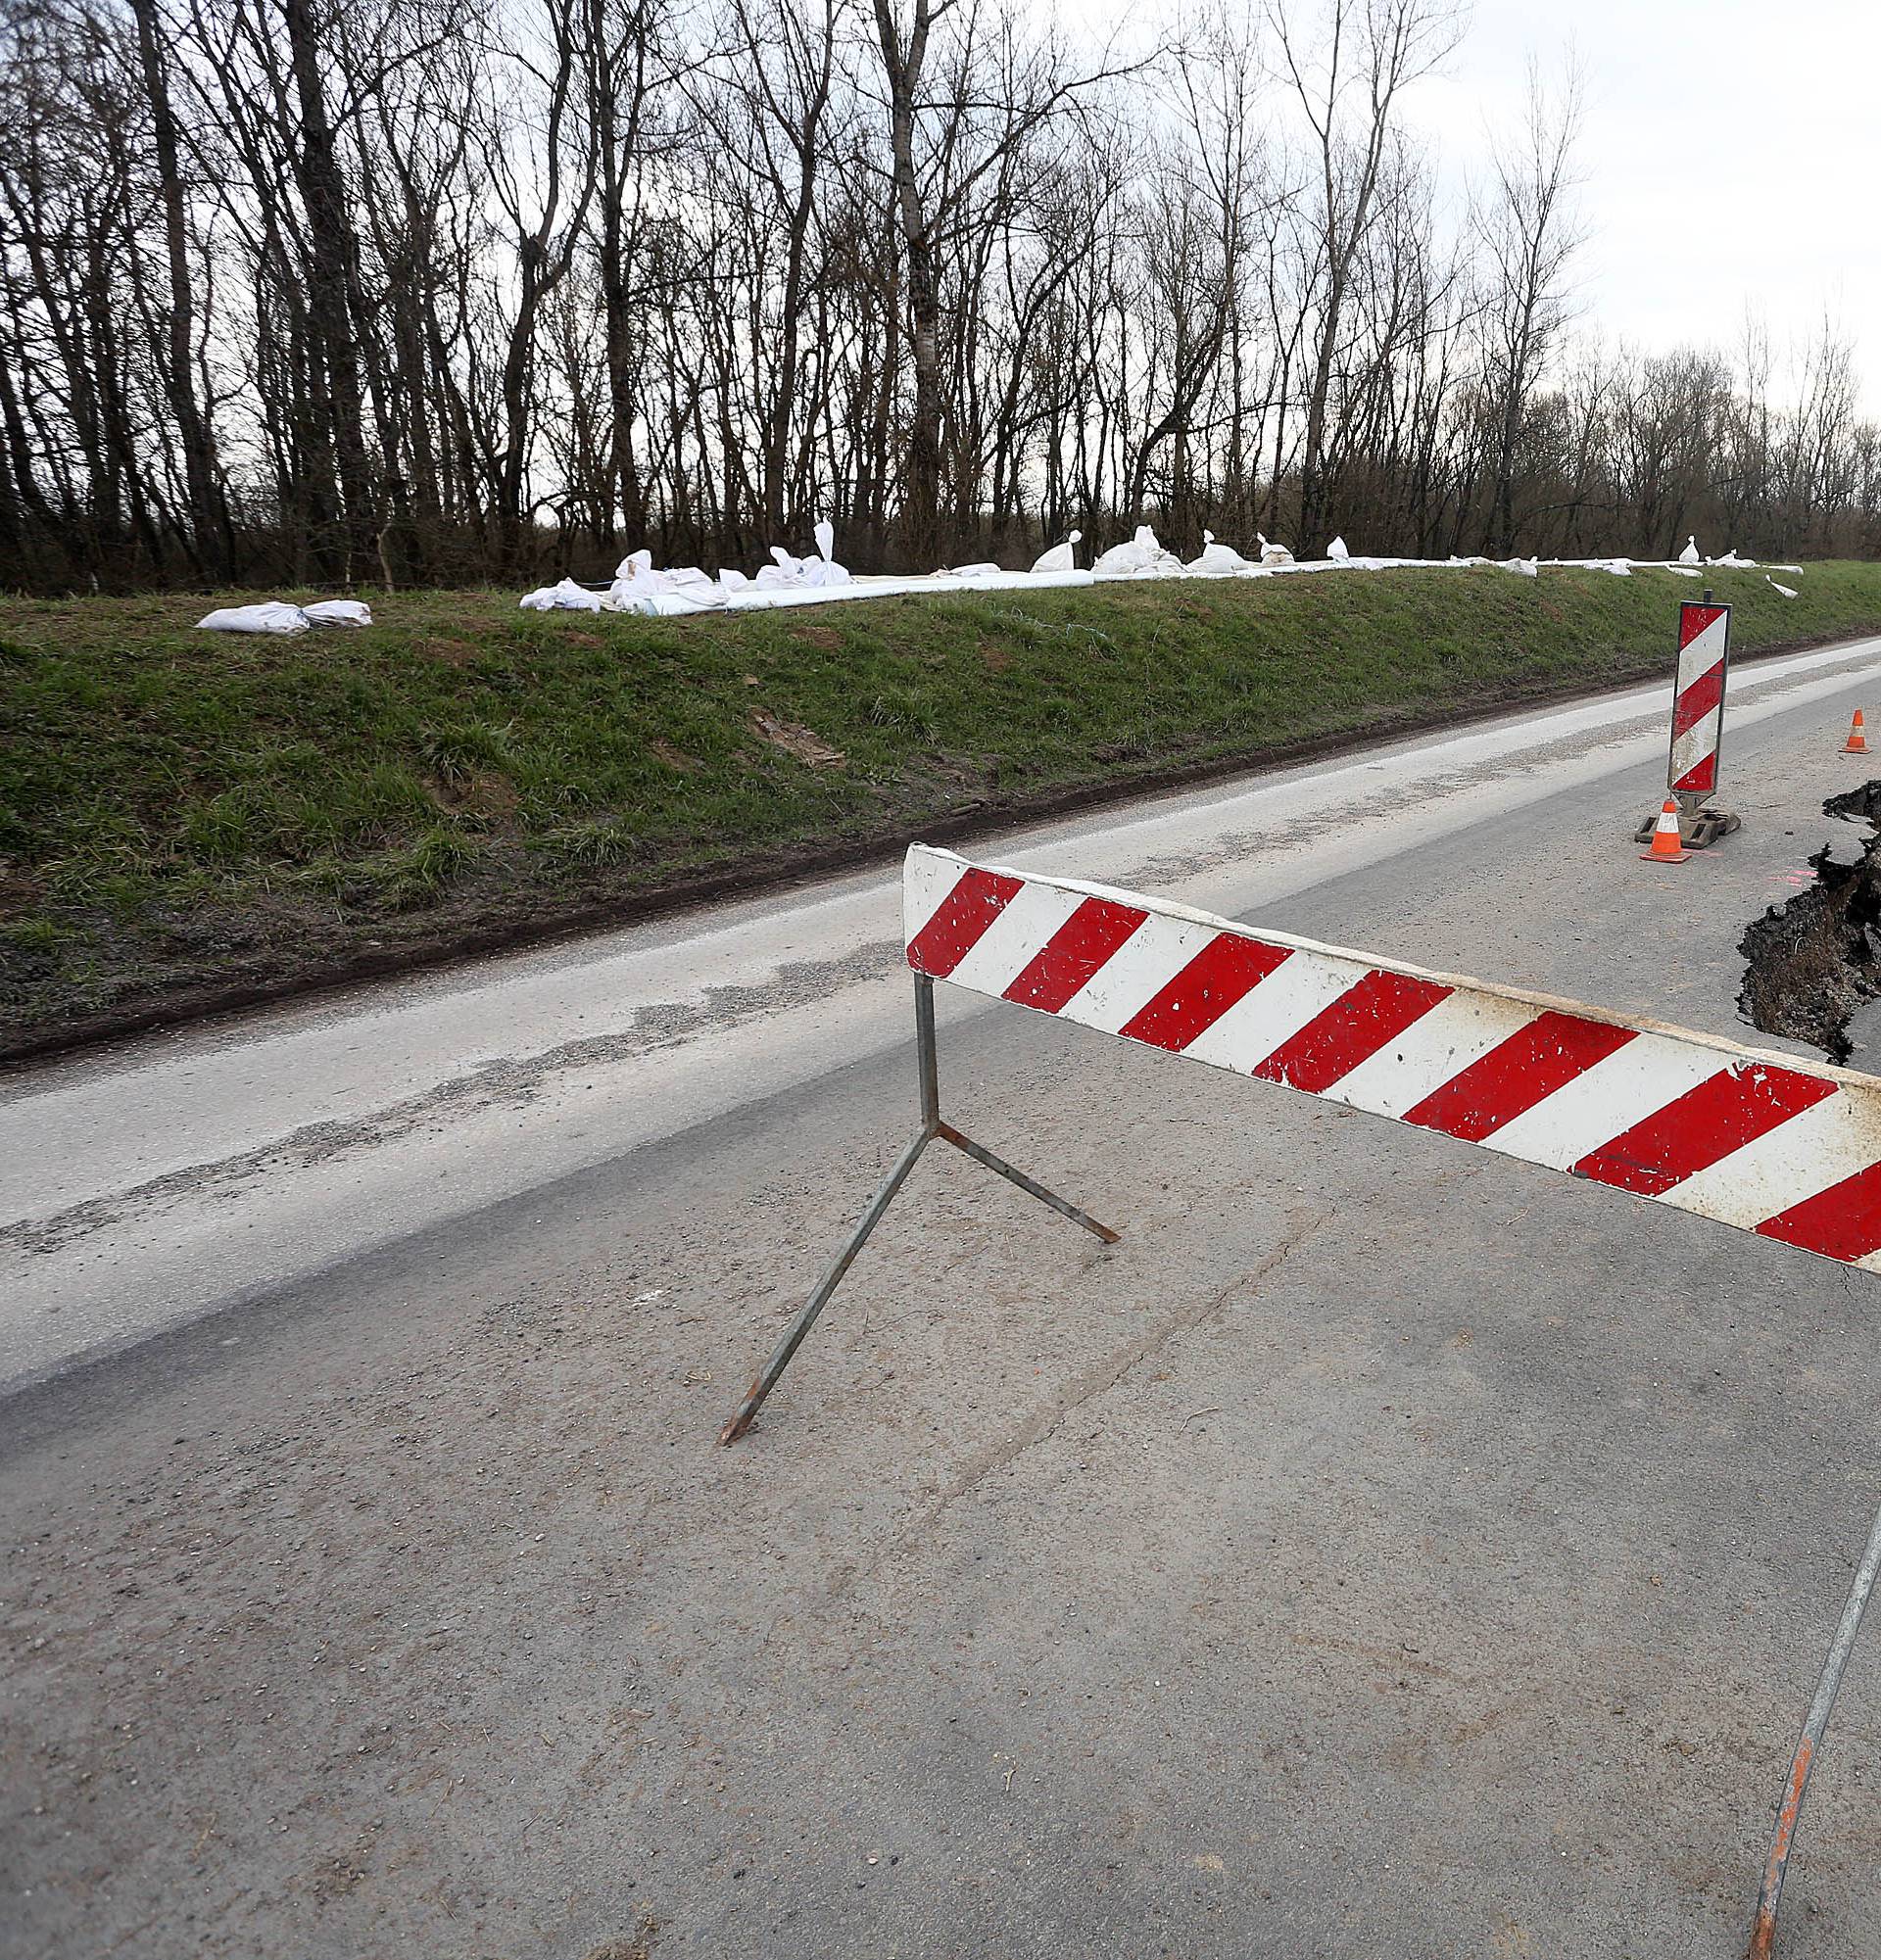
[1787, 1149]
[1697, 724]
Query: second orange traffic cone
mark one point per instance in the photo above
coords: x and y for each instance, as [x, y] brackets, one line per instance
[1667, 848]
[1857, 742]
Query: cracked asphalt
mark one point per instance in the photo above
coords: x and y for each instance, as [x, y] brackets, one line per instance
[1387, 1549]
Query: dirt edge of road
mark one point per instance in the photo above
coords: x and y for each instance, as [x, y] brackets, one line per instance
[1815, 959]
[451, 945]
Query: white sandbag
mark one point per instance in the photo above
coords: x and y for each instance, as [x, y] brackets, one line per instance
[1273, 554]
[565, 597]
[786, 571]
[636, 575]
[272, 615]
[1218, 561]
[339, 612]
[823, 570]
[1684, 572]
[1527, 567]
[1337, 551]
[636, 579]
[1788, 592]
[983, 568]
[1142, 558]
[1059, 559]
[1690, 554]
[783, 573]
[635, 572]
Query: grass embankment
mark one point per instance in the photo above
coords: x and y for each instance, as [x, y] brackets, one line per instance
[186, 814]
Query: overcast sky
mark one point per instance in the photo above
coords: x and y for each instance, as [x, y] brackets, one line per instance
[1732, 156]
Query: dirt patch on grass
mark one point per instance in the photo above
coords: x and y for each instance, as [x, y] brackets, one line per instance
[451, 651]
[793, 739]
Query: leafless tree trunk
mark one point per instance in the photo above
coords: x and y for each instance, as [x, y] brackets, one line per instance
[1374, 49]
[1530, 237]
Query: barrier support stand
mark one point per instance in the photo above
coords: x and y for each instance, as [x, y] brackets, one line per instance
[1763, 1928]
[933, 1130]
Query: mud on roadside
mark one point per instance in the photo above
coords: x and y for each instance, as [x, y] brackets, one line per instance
[1816, 958]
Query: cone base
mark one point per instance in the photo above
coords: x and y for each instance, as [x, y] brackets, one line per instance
[1664, 856]
[1856, 748]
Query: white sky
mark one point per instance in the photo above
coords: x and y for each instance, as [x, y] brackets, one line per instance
[1731, 155]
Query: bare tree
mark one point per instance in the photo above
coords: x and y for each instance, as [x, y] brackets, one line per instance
[1369, 53]
[432, 289]
[955, 112]
[1529, 235]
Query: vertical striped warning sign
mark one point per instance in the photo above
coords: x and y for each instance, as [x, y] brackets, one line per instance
[1698, 700]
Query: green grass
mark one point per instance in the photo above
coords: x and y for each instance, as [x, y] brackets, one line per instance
[179, 808]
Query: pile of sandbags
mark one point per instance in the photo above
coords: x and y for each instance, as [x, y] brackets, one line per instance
[793, 581]
[275, 615]
[1141, 557]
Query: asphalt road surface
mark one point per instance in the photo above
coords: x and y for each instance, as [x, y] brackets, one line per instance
[1387, 1549]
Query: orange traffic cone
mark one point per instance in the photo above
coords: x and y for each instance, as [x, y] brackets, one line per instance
[1666, 846]
[1857, 742]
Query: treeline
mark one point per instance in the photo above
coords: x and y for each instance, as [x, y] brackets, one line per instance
[427, 290]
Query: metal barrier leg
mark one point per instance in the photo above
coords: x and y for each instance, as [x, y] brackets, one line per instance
[982, 1155]
[1763, 1929]
[932, 1127]
[946, 1131]
[767, 1377]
